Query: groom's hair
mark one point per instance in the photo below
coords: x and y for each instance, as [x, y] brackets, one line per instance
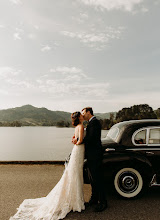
[88, 109]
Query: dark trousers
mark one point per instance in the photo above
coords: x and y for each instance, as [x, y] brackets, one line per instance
[97, 180]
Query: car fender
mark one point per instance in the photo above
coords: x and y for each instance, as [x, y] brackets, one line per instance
[114, 161]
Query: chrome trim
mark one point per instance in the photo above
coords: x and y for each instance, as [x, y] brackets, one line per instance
[128, 182]
[147, 136]
[154, 145]
[153, 127]
[109, 149]
[135, 133]
[148, 152]
[154, 181]
[122, 182]
[144, 149]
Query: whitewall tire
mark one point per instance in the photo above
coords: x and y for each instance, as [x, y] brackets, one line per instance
[128, 182]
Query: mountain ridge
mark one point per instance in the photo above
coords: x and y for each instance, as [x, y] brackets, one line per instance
[31, 115]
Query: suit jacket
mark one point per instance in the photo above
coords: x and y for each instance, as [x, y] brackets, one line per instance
[92, 140]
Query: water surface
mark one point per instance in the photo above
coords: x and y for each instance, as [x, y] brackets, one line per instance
[35, 143]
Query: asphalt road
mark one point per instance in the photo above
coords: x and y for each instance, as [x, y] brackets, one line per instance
[18, 182]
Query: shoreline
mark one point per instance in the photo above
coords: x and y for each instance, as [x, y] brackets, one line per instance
[32, 162]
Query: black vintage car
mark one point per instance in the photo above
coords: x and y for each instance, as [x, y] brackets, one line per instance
[131, 158]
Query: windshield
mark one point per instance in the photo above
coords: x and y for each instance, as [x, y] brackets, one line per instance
[113, 133]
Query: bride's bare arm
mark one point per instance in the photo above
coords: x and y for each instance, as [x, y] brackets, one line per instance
[81, 132]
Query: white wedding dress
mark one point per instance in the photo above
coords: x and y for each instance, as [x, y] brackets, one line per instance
[67, 195]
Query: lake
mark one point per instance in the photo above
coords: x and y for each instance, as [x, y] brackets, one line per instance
[36, 143]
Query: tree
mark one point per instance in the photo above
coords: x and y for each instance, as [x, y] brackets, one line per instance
[157, 112]
[105, 123]
[112, 121]
[142, 111]
[15, 124]
[63, 124]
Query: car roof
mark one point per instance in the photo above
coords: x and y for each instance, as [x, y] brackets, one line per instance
[141, 122]
[127, 128]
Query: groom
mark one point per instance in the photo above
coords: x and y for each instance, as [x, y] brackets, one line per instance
[93, 154]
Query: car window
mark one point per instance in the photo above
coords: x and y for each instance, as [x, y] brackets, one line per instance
[154, 136]
[140, 137]
[113, 132]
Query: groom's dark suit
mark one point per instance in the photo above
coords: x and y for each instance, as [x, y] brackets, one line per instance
[93, 154]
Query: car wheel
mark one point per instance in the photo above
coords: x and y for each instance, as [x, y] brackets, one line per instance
[128, 182]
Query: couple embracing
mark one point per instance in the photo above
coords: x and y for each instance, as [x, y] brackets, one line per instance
[68, 195]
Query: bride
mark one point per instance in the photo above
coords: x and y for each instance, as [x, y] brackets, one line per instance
[67, 195]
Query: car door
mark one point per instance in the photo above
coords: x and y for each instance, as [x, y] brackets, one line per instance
[153, 146]
[147, 143]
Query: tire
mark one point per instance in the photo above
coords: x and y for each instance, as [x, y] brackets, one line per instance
[128, 182]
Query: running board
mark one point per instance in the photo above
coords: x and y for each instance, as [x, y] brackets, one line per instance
[154, 181]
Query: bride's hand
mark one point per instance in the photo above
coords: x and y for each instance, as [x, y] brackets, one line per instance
[74, 140]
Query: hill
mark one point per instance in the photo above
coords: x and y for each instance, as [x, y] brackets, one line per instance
[105, 115]
[30, 115]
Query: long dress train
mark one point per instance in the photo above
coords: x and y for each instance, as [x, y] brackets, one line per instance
[67, 195]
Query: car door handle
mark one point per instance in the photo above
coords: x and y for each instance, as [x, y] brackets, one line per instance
[148, 152]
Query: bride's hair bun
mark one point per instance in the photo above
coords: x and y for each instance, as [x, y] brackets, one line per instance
[75, 118]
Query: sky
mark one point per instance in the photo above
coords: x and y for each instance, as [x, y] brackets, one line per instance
[68, 54]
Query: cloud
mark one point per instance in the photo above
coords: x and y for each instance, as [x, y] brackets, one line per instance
[84, 15]
[56, 44]
[92, 90]
[36, 27]
[12, 77]
[144, 10]
[69, 73]
[156, 2]
[96, 39]
[126, 5]
[70, 83]
[75, 90]
[81, 18]
[3, 92]
[2, 26]
[66, 70]
[16, 2]
[20, 83]
[6, 72]
[46, 48]
[126, 100]
[61, 83]
[31, 36]
[18, 34]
